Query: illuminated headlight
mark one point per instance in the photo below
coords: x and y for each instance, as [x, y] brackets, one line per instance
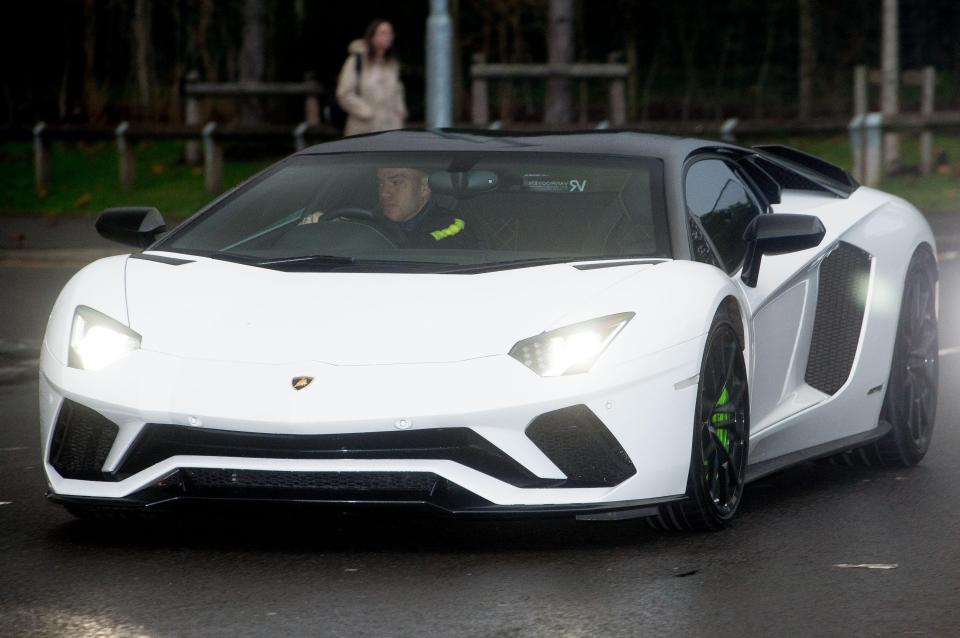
[570, 349]
[96, 340]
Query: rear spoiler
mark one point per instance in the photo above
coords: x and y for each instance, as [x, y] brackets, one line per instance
[825, 174]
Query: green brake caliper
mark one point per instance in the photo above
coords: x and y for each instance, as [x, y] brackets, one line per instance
[721, 419]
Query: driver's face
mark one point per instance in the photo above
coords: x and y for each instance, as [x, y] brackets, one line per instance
[403, 192]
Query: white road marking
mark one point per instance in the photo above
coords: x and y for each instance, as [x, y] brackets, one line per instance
[948, 255]
[6, 502]
[11, 449]
[946, 352]
[868, 566]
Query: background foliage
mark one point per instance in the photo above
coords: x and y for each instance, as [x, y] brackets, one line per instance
[76, 60]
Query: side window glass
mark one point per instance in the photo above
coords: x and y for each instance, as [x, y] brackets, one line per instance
[721, 204]
[702, 251]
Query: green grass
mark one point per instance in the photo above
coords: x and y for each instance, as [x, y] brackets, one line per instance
[85, 179]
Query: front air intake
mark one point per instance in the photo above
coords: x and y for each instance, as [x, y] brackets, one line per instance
[82, 439]
[581, 446]
[333, 484]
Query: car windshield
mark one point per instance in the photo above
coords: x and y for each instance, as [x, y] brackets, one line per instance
[435, 212]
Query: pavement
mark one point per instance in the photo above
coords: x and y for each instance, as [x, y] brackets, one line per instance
[53, 241]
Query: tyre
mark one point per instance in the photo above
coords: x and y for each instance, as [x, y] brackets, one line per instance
[721, 432]
[910, 402]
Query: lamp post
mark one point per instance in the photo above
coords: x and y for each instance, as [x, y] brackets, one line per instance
[439, 75]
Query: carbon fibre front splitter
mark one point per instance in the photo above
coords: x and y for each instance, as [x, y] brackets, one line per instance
[450, 501]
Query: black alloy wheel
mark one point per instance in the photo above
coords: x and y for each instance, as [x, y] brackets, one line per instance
[721, 432]
[910, 403]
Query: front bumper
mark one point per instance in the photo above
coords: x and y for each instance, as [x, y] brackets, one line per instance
[494, 406]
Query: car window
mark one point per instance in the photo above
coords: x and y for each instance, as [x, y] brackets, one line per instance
[439, 207]
[722, 207]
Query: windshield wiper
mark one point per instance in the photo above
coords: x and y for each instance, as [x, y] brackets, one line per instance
[543, 261]
[309, 260]
[339, 262]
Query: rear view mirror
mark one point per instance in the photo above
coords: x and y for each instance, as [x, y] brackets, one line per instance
[133, 226]
[462, 182]
[778, 234]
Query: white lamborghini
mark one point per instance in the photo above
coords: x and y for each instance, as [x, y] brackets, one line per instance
[604, 325]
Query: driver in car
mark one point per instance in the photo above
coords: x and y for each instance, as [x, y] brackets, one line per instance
[408, 209]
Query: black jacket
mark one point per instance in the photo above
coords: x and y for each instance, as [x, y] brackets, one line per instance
[434, 227]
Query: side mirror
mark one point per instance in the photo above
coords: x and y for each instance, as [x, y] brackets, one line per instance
[134, 226]
[778, 234]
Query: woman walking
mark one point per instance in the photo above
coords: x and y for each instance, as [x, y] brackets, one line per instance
[369, 87]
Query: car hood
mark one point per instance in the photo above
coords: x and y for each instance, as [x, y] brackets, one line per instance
[212, 309]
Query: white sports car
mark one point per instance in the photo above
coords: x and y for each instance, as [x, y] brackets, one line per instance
[603, 325]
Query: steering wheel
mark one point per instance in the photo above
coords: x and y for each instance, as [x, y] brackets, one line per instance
[351, 212]
[362, 217]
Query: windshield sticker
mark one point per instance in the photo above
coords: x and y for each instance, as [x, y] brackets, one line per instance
[544, 183]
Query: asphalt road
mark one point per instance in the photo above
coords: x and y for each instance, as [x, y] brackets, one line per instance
[775, 572]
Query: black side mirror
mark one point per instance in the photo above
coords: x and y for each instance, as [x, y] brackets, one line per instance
[134, 226]
[777, 234]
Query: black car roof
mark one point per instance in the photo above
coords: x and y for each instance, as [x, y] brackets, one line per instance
[599, 142]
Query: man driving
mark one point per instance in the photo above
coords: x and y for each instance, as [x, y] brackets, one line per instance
[407, 208]
[405, 199]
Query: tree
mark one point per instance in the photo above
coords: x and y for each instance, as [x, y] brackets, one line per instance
[252, 56]
[890, 86]
[558, 108]
[143, 63]
[807, 57]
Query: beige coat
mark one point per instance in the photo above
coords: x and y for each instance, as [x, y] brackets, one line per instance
[380, 105]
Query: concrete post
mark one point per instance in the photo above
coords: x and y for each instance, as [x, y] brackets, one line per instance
[856, 146]
[583, 105]
[479, 97]
[41, 161]
[192, 118]
[505, 93]
[299, 143]
[727, 130]
[439, 67]
[618, 97]
[929, 77]
[126, 161]
[212, 160]
[873, 149]
[311, 103]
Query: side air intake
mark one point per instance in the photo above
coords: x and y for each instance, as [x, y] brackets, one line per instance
[841, 300]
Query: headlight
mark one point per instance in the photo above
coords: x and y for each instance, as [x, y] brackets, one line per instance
[96, 340]
[570, 349]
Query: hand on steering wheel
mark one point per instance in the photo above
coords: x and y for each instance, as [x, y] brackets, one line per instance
[348, 212]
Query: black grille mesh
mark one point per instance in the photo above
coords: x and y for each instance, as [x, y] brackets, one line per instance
[411, 482]
[841, 299]
[82, 439]
[581, 446]
[158, 442]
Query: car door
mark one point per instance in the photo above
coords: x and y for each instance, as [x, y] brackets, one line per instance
[721, 201]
